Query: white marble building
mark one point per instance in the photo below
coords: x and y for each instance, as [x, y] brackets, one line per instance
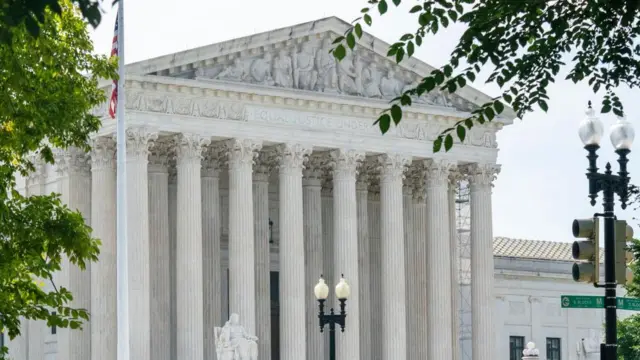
[227, 139]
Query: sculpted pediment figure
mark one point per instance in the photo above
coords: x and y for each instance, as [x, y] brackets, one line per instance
[309, 66]
[233, 342]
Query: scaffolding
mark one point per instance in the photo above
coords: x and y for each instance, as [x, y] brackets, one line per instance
[463, 227]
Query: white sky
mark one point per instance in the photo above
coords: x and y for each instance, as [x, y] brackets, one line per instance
[542, 187]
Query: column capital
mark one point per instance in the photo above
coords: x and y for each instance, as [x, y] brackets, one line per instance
[314, 170]
[438, 171]
[103, 153]
[266, 161]
[418, 177]
[455, 176]
[481, 174]
[242, 152]
[392, 166]
[188, 147]
[344, 162]
[292, 156]
[37, 176]
[367, 173]
[213, 158]
[139, 141]
[71, 161]
[159, 156]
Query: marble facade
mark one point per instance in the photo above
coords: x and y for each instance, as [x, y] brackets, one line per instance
[270, 129]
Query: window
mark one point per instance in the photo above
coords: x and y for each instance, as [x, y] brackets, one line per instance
[516, 345]
[553, 349]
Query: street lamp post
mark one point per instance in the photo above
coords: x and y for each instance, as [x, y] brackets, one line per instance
[321, 291]
[622, 136]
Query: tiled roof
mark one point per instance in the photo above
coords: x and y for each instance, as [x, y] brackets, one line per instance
[534, 249]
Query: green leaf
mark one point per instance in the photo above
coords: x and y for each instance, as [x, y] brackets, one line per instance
[489, 113]
[367, 19]
[606, 109]
[338, 40]
[507, 98]
[437, 144]
[397, 2]
[339, 52]
[382, 7]
[399, 55]
[448, 142]
[384, 122]
[461, 131]
[543, 105]
[498, 106]
[358, 30]
[351, 40]
[410, 48]
[418, 40]
[415, 9]
[396, 114]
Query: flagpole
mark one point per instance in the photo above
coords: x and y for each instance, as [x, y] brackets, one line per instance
[121, 201]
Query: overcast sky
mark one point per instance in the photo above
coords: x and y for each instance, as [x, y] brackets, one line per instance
[542, 186]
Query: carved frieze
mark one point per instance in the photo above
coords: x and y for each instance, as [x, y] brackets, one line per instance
[310, 66]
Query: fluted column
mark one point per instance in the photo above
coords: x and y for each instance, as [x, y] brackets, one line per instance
[159, 257]
[394, 322]
[345, 244]
[419, 256]
[327, 233]
[439, 319]
[36, 328]
[376, 272]
[139, 140]
[482, 271]
[293, 339]
[313, 251]
[104, 325]
[454, 177]
[74, 184]
[364, 261]
[409, 266]
[242, 283]
[211, 232]
[188, 148]
[262, 169]
[173, 248]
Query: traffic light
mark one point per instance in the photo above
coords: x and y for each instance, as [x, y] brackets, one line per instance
[586, 251]
[624, 234]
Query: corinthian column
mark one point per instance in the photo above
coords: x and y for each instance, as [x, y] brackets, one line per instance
[482, 271]
[364, 254]
[394, 322]
[104, 325]
[419, 256]
[189, 284]
[345, 244]
[292, 290]
[74, 184]
[313, 254]
[262, 170]
[439, 320]
[159, 258]
[242, 283]
[455, 271]
[409, 265]
[139, 141]
[211, 231]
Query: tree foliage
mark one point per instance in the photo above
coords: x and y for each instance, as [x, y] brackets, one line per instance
[526, 42]
[32, 14]
[48, 85]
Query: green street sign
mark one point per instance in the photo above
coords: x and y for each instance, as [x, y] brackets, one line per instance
[628, 304]
[582, 302]
[597, 302]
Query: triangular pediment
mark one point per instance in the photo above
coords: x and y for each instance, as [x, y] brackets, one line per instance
[298, 58]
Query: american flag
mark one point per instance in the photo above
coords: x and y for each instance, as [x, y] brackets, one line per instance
[114, 88]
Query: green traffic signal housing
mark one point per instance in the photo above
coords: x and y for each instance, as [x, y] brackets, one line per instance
[587, 251]
[624, 234]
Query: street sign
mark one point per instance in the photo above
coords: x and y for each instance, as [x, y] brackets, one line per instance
[628, 304]
[597, 302]
[582, 302]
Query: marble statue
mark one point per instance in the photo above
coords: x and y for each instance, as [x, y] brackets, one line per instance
[326, 64]
[305, 75]
[371, 81]
[283, 70]
[233, 342]
[234, 72]
[261, 70]
[390, 87]
[589, 348]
